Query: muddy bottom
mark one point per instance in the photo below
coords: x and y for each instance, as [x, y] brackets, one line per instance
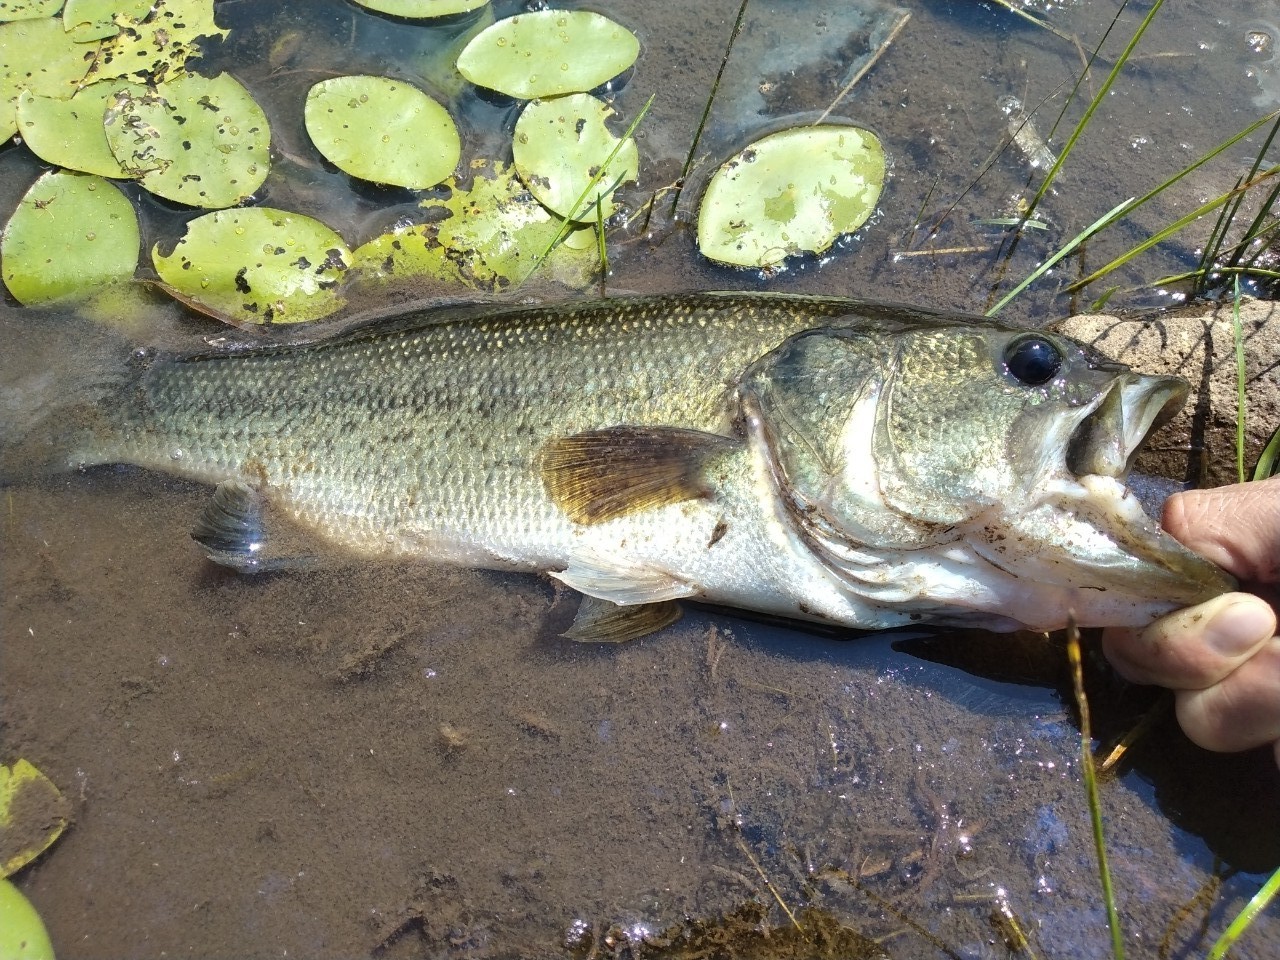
[402, 761]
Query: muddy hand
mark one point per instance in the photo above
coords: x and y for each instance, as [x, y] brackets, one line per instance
[1222, 657]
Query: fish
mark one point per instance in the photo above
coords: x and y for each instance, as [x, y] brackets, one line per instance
[825, 459]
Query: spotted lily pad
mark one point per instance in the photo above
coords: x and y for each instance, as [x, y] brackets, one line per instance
[257, 265]
[39, 56]
[28, 9]
[382, 130]
[559, 147]
[197, 140]
[792, 192]
[490, 240]
[33, 814]
[71, 234]
[88, 20]
[155, 45]
[422, 9]
[548, 53]
[69, 133]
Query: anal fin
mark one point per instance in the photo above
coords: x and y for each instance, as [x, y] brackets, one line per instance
[600, 475]
[600, 621]
[232, 532]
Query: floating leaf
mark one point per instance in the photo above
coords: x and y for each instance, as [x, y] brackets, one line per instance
[22, 932]
[88, 20]
[37, 55]
[197, 140]
[69, 133]
[382, 130]
[558, 148]
[490, 239]
[422, 9]
[33, 814]
[71, 233]
[794, 191]
[28, 9]
[258, 265]
[156, 45]
[548, 53]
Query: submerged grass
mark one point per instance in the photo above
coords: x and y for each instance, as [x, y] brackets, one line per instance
[1091, 789]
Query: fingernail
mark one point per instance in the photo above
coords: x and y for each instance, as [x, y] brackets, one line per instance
[1239, 627]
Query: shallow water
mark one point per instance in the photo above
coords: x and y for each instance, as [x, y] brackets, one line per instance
[404, 761]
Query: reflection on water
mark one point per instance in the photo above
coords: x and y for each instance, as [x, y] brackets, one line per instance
[407, 761]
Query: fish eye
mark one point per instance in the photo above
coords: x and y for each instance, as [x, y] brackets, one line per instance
[1033, 360]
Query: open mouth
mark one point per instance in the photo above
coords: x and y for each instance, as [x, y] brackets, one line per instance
[1108, 438]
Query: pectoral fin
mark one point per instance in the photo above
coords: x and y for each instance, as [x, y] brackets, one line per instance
[600, 475]
[232, 532]
[601, 621]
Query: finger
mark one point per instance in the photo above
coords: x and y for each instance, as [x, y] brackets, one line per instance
[1229, 525]
[1194, 648]
[1242, 711]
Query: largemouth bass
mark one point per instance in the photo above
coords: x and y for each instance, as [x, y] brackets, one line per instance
[823, 459]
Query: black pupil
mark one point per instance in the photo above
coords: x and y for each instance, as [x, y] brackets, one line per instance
[1033, 360]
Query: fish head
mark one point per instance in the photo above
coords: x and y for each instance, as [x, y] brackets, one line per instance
[972, 473]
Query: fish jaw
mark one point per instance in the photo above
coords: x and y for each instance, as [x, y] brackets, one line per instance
[1082, 530]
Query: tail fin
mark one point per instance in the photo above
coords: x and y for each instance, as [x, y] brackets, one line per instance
[61, 378]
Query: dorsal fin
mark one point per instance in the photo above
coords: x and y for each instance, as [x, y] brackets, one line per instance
[600, 475]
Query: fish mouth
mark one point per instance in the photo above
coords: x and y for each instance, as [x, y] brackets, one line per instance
[1110, 436]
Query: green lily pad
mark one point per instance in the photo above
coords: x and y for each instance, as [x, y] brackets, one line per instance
[257, 265]
[548, 53]
[33, 814]
[69, 133]
[22, 932]
[71, 233]
[37, 55]
[382, 130]
[422, 9]
[490, 241]
[155, 46]
[88, 20]
[561, 144]
[197, 140]
[28, 9]
[791, 192]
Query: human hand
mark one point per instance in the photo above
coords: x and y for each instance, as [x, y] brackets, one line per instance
[1221, 658]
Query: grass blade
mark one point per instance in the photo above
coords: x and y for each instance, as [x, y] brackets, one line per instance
[1241, 410]
[706, 109]
[1267, 465]
[1246, 916]
[1091, 788]
[1094, 104]
[1111, 215]
[1171, 229]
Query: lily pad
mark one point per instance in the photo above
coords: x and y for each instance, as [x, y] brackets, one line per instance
[155, 46]
[22, 932]
[37, 55]
[257, 265]
[197, 140]
[28, 9]
[422, 9]
[71, 233]
[561, 144]
[382, 130]
[88, 20]
[548, 53]
[69, 133]
[490, 240]
[791, 192]
[33, 814]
